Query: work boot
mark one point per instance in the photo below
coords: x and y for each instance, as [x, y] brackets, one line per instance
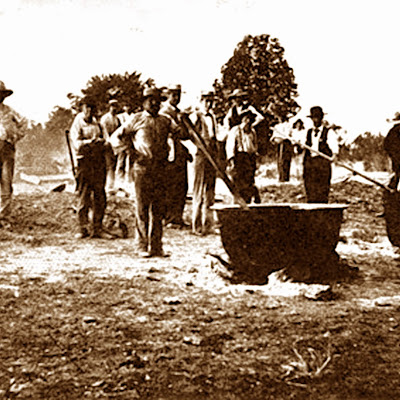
[159, 253]
[100, 234]
[84, 233]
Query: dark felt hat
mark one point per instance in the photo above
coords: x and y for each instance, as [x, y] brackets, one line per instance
[316, 112]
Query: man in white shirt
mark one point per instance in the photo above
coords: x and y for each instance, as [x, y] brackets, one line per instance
[241, 151]
[317, 171]
[240, 104]
[12, 129]
[89, 146]
[110, 123]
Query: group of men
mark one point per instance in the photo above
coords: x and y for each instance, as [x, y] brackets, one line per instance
[152, 142]
[155, 139]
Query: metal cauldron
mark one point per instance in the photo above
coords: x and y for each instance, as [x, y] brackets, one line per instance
[268, 237]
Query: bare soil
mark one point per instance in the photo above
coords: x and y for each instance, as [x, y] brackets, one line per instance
[89, 319]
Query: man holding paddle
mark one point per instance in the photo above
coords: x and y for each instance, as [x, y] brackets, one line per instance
[317, 170]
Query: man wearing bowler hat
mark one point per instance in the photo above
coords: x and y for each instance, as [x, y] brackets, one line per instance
[12, 129]
[317, 171]
[149, 132]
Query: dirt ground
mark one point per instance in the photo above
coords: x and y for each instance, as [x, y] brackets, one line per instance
[89, 319]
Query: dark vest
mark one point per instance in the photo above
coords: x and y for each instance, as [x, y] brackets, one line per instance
[323, 142]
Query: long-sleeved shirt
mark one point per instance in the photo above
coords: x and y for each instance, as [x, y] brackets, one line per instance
[123, 117]
[206, 125]
[83, 132]
[12, 125]
[331, 140]
[233, 115]
[240, 141]
[110, 123]
[149, 135]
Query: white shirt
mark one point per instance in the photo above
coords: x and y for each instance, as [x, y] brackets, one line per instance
[316, 138]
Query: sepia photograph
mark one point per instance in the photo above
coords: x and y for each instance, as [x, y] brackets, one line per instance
[199, 200]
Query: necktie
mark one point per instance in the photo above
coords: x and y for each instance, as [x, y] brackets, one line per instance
[213, 124]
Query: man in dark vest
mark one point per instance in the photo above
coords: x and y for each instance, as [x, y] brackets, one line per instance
[176, 174]
[391, 144]
[317, 171]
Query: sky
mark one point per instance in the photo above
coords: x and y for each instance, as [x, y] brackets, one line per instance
[344, 53]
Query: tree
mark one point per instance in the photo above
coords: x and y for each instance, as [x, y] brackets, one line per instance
[258, 66]
[127, 89]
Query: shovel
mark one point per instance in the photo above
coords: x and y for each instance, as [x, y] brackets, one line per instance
[199, 142]
[391, 197]
[339, 164]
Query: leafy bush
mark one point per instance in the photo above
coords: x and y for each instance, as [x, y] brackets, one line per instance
[367, 148]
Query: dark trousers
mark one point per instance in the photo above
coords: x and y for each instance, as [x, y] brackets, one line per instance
[176, 191]
[285, 152]
[149, 183]
[317, 174]
[91, 178]
[243, 176]
[7, 157]
[111, 164]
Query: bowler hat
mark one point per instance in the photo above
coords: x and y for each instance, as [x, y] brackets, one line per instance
[238, 93]
[6, 92]
[174, 88]
[207, 93]
[316, 112]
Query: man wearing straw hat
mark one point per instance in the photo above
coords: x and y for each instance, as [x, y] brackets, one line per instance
[240, 104]
[12, 129]
[317, 171]
[176, 172]
[149, 131]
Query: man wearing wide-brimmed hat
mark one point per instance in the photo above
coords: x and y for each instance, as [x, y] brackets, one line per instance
[317, 171]
[12, 129]
[241, 151]
[391, 145]
[148, 132]
[176, 173]
[240, 103]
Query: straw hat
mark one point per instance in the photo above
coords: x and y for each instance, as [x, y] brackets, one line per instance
[174, 88]
[207, 94]
[153, 92]
[6, 92]
[396, 117]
